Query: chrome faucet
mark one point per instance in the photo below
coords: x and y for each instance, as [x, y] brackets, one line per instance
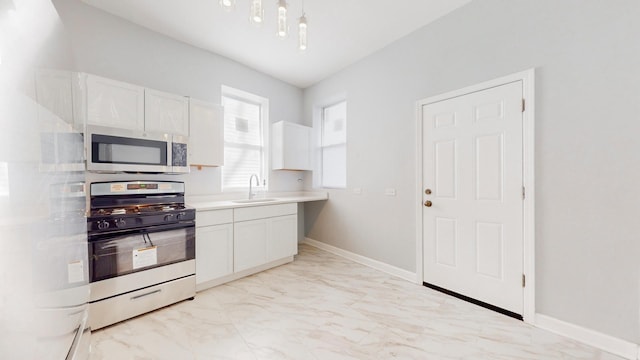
[251, 194]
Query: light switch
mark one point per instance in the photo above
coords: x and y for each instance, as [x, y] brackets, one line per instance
[390, 192]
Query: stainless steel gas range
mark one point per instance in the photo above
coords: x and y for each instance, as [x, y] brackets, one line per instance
[141, 249]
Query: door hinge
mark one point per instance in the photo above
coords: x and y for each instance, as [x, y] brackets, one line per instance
[524, 280]
[523, 105]
[523, 193]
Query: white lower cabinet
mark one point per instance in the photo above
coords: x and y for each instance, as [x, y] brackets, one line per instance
[214, 252]
[233, 243]
[249, 244]
[263, 234]
[214, 245]
[283, 237]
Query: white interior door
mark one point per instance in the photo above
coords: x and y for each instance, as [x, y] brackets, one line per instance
[472, 174]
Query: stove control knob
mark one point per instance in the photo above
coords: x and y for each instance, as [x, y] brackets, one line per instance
[168, 217]
[181, 216]
[120, 223]
[103, 225]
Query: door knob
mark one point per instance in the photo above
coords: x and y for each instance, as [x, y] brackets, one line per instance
[428, 203]
[427, 191]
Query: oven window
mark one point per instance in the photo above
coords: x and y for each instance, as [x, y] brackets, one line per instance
[125, 254]
[121, 150]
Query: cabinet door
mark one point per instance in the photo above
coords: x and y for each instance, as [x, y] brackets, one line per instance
[291, 146]
[250, 244]
[114, 103]
[214, 252]
[283, 237]
[206, 143]
[166, 113]
[53, 91]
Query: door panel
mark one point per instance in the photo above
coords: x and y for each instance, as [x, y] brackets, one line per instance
[446, 241]
[472, 154]
[446, 169]
[489, 250]
[489, 169]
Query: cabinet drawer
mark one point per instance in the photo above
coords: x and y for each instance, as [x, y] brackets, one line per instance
[214, 217]
[265, 211]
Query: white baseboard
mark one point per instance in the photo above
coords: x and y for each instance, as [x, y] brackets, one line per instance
[375, 264]
[608, 343]
[604, 342]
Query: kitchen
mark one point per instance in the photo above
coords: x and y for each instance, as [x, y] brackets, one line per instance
[583, 59]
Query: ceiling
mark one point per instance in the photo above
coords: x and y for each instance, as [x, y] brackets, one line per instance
[341, 32]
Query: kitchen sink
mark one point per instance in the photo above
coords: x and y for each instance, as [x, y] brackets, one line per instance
[249, 201]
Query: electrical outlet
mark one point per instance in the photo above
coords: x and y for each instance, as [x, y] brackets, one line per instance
[390, 192]
[357, 191]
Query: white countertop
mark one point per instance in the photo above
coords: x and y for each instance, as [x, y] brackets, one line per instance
[203, 203]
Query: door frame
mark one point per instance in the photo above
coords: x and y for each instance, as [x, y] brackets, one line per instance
[528, 142]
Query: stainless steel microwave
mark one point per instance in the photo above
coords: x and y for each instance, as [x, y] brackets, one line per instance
[123, 150]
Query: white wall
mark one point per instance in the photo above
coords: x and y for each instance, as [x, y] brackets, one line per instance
[108, 46]
[587, 55]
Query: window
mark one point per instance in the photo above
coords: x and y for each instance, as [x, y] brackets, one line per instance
[244, 138]
[334, 145]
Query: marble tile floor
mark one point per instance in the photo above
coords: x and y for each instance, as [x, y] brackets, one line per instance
[322, 306]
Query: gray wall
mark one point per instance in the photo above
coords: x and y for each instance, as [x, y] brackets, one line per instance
[109, 46]
[587, 56]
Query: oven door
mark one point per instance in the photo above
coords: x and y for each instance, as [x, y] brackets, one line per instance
[126, 252]
[119, 150]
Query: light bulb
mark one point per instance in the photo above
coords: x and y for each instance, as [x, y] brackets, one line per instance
[302, 33]
[282, 18]
[228, 5]
[257, 12]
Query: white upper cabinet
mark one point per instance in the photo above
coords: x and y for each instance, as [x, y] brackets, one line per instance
[114, 103]
[206, 142]
[165, 112]
[291, 146]
[54, 92]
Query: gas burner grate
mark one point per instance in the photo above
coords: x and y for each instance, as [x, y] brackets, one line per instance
[135, 210]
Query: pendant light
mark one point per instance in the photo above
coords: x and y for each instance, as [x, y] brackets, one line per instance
[256, 16]
[302, 30]
[257, 12]
[227, 5]
[283, 29]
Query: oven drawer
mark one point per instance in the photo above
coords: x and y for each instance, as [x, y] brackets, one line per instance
[123, 284]
[112, 310]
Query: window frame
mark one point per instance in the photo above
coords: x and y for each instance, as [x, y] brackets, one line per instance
[321, 147]
[263, 103]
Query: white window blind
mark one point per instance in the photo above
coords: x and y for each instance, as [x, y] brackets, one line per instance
[243, 142]
[334, 146]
